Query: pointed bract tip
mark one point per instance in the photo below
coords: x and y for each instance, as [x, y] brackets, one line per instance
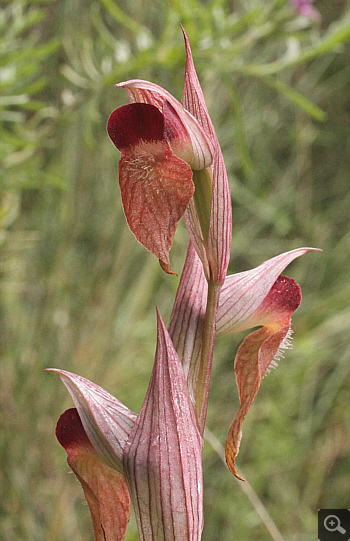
[54, 371]
[184, 34]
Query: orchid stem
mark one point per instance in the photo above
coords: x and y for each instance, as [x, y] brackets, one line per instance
[207, 349]
[203, 181]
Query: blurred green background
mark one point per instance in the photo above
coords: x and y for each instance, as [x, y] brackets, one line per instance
[79, 293]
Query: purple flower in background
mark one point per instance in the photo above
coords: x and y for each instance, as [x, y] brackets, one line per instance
[305, 7]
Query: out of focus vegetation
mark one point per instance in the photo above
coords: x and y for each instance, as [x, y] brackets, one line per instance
[78, 292]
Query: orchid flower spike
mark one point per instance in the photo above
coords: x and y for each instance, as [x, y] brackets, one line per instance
[153, 458]
[171, 161]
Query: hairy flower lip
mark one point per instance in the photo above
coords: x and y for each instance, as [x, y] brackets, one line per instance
[156, 185]
[255, 355]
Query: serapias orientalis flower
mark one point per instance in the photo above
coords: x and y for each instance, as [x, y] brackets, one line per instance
[170, 163]
[155, 456]
[260, 297]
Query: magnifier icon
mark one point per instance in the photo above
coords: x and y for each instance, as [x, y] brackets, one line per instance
[332, 524]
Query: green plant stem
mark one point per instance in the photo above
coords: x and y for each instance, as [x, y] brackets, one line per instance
[207, 349]
[203, 181]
